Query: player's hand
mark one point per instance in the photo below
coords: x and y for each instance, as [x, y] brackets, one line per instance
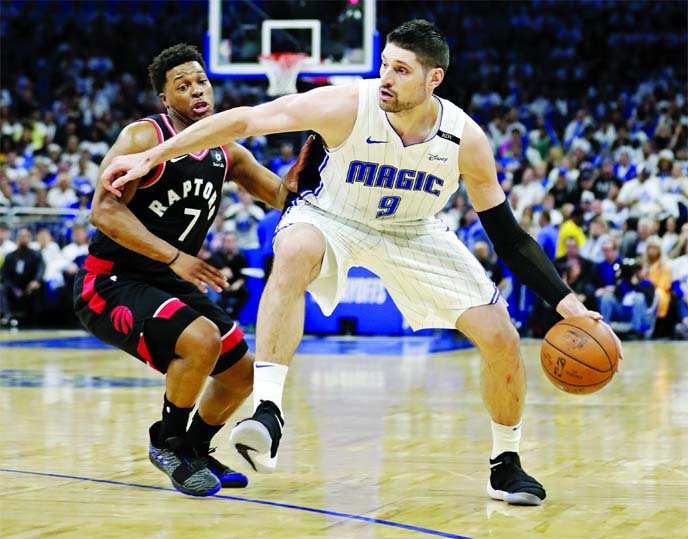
[123, 169]
[291, 178]
[199, 273]
[571, 306]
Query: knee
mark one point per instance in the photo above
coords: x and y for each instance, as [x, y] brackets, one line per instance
[201, 342]
[296, 265]
[503, 343]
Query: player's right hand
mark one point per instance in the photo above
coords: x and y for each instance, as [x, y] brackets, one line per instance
[123, 169]
[199, 273]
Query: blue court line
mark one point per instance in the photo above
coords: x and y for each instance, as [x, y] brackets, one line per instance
[371, 520]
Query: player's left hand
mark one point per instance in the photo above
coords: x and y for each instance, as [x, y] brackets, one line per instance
[571, 306]
[123, 169]
[291, 178]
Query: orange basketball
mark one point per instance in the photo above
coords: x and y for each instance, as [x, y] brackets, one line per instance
[579, 355]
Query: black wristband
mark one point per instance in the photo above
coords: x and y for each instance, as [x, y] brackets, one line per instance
[174, 258]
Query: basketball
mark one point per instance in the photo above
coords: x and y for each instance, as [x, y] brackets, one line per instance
[579, 355]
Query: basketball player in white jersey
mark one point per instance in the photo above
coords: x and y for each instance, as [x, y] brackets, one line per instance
[393, 156]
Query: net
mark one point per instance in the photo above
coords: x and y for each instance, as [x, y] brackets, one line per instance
[282, 69]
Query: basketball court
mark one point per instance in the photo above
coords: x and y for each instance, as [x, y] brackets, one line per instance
[385, 438]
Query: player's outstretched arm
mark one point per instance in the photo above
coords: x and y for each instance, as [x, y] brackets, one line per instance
[330, 111]
[519, 251]
[111, 216]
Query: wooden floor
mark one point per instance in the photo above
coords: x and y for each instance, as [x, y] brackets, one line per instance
[375, 447]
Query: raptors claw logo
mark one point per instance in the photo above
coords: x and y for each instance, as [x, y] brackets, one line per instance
[122, 319]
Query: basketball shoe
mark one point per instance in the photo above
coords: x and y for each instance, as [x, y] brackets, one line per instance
[228, 477]
[257, 438]
[182, 464]
[508, 482]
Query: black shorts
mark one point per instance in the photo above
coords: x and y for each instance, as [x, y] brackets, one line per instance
[145, 315]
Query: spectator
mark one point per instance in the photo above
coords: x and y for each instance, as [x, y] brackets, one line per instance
[571, 228]
[624, 169]
[548, 236]
[605, 179]
[607, 270]
[659, 273]
[472, 230]
[630, 300]
[641, 195]
[578, 269]
[22, 277]
[597, 235]
[85, 170]
[281, 164]
[6, 243]
[529, 192]
[242, 219]
[62, 194]
[563, 190]
[53, 259]
[452, 216]
[231, 262]
[494, 270]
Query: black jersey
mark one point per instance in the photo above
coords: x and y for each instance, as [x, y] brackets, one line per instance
[177, 201]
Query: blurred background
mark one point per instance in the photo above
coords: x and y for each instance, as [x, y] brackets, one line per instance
[584, 104]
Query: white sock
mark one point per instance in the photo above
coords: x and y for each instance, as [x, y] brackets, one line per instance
[505, 438]
[268, 382]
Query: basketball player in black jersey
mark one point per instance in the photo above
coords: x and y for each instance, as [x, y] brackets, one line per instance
[142, 289]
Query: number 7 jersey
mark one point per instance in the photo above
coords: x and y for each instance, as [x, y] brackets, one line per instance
[373, 178]
[177, 201]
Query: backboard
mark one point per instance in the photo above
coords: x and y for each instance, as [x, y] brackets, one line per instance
[338, 35]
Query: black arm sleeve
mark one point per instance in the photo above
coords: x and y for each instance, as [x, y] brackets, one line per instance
[522, 254]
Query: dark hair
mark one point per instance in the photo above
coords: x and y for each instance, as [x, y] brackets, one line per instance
[169, 58]
[425, 40]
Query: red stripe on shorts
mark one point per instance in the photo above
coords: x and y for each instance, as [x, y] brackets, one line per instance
[167, 309]
[231, 339]
[95, 302]
[142, 350]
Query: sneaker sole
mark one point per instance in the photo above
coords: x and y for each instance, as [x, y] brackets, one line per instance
[235, 480]
[513, 498]
[253, 442]
[180, 487]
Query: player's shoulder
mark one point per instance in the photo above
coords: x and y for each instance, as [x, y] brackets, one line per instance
[139, 136]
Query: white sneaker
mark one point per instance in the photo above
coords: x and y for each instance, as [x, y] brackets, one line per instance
[257, 438]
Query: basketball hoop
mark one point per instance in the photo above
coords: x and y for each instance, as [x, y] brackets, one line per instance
[282, 69]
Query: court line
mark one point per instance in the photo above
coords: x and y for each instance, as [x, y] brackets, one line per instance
[370, 520]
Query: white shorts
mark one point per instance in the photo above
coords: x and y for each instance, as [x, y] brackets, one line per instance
[432, 277]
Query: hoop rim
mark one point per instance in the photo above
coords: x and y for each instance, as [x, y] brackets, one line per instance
[288, 59]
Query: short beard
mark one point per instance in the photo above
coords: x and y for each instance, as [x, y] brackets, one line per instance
[395, 105]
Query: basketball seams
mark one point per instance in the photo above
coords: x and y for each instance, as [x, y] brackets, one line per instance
[559, 383]
[611, 365]
[575, 359]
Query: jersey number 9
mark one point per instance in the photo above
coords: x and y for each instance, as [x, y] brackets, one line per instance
[387, 206]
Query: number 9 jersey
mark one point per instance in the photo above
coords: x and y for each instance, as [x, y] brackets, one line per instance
[373, 178]
[177, 201]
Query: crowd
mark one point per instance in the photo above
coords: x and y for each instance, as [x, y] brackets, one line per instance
[591, 145]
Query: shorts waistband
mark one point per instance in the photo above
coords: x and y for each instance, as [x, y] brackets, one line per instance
[93, 264]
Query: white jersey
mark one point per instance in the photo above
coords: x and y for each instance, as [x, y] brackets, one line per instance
[373, 178]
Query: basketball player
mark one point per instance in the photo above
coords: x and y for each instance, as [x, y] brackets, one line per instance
[394, 153]
[142, 288]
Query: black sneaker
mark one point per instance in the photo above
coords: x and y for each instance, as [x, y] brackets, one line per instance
[508, 482]
[187, 471]
[257, 438]
[228, 477]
